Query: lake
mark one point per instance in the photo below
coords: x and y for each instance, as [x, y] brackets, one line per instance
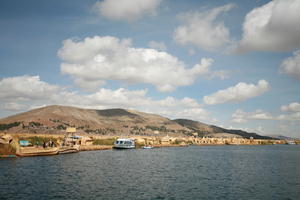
[194, 172]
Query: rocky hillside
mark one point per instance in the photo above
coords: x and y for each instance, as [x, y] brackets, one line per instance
[213, 131]
[55, 119]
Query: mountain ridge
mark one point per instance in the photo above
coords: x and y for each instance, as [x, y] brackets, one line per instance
[116, 121]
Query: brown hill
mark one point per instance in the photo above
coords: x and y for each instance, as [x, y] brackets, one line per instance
[55, 119]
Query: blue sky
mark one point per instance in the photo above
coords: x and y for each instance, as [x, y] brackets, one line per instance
[234, 64]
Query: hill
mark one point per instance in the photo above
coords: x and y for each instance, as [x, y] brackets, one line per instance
[282, 137]
[55, 119]
[211, 130]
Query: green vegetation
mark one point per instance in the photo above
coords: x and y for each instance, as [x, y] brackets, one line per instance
[54, 120]
[109, 141]
[8, 126]
[61, 127]
[35, 124]
[100, 131]
[83, 127]
[177, 141]
[39, 140]
[266, 142]
[156, 128]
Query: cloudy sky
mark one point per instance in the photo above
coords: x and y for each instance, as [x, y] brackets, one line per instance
[231, 63]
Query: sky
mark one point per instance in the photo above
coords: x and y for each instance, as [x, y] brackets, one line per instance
[231, 63]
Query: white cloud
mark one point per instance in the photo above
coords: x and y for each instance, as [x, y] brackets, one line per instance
[259, 129]
[126, 10]
[107, 58]
[290, 117]
[88, 85]
[291, 65]
[203, 30]
[12, 106]
[292, 107]
[239, 116]
[157, 45]
[25, 88]
[13, 98]
[272, 27]
[238, 93]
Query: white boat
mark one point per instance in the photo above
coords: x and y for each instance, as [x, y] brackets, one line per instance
[147, 147]
[291, 142]
[124, 143]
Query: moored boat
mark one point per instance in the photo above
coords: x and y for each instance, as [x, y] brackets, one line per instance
[124, 143]
[290, 142]
[147, 147]
[68, 149]
[37, 151]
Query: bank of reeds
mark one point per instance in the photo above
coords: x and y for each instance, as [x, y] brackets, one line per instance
[6, 149]
[104, 141]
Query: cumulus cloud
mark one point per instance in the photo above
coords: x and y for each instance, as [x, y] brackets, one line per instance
[272, 27]
[238, 93]
[291, 65]
[157, 45]
[107, 58]
[294, 112]
[12, 106]
[292, 107]
[25, 88]
[126, 10]
[15, 98]
[202, 29]
[240, 116]
[290, 117]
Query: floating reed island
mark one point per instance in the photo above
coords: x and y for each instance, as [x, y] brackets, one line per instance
[56, 129]
[12, 145]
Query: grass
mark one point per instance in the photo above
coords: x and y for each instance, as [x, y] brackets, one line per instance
[108, 141]
[266, 142]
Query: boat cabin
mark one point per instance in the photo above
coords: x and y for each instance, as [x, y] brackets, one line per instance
[124, 143]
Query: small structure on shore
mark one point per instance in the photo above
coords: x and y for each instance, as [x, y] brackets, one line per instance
[6, 139]
[71, 142]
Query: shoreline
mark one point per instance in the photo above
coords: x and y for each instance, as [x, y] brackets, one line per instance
[100, 142]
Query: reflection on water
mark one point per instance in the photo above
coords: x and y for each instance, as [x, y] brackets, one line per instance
[206, 172]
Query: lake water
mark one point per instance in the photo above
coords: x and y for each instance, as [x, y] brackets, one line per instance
[195, 172]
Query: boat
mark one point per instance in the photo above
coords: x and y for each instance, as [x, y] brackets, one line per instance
[124, 143]
[290, 142]
[36, 151]
[147, 147]
[68, 149]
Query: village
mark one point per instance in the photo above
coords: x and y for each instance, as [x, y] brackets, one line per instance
[13, 145]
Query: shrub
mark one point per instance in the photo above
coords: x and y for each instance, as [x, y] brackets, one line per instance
[35, 124]
[8, 126]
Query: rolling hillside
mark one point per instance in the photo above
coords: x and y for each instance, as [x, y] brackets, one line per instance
[55, 119]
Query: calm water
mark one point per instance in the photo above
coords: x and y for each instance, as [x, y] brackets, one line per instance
[208, 172]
